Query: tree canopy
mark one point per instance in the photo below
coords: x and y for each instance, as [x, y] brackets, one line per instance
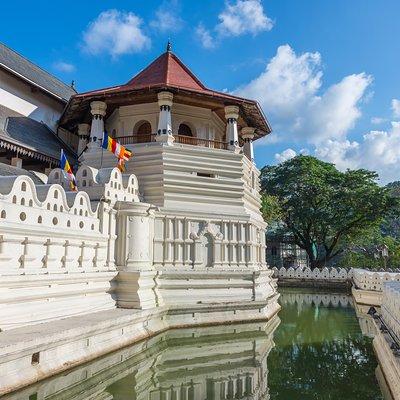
[322, 207]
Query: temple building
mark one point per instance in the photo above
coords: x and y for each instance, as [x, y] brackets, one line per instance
[176, 240]
[31, 103]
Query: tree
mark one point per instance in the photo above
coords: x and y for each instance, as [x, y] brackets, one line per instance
[270, 208]
[366, 250]
[322, 207]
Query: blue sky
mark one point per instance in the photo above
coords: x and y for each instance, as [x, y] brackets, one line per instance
[325, 72]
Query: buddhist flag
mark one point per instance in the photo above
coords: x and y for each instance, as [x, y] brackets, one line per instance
[64, 165]
[112, 145]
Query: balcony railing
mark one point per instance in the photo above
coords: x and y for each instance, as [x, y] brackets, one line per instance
[193, 141]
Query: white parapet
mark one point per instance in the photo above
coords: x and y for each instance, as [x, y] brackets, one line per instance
[368, 285]
[308, 275]
[57, 246]
[373, 280]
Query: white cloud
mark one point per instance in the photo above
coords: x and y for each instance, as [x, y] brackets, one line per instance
[289, 90]
[205, 37]
[396, 108]
[377, 151]
[378, 120]
[236, 19]
[167, 18]
[64, 66]
[244, 16]
[115, 32]
[285, 155]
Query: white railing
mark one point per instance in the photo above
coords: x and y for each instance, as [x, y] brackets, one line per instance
[307, 274]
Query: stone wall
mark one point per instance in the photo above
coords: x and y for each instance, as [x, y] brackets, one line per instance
[57, 246]
[373, 280]
[390, 309]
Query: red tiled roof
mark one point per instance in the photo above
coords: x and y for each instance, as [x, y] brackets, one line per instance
[167, 69]
[167, 72]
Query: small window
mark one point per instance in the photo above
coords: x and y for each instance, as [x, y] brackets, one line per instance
[35, 358]
[205, 175]
[184, 130]
[39, 220]
[3, 214]
[23, 186]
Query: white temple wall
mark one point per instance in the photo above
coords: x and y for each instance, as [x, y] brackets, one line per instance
[57, 247]
[19, 97]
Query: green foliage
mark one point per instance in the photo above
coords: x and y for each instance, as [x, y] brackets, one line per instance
[364, 251]
[322, 207]
[270, 208]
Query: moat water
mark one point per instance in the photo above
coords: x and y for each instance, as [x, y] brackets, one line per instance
[314, 349]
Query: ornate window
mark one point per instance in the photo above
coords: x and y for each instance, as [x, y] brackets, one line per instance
[143, 131]
[184, 130]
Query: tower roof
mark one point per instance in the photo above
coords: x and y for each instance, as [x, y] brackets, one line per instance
[167, 70]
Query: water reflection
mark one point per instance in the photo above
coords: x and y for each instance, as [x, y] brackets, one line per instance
[319, 353]
[219, 362]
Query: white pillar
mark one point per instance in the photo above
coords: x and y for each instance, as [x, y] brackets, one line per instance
[232, 115]
[135, 287]
[83, 135]
[248, 136]
[98, 110]
[164, 131]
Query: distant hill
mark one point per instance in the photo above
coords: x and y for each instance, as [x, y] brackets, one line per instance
[394, 188]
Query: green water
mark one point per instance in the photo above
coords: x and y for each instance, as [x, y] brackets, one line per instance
[320, 353]
[311, 351]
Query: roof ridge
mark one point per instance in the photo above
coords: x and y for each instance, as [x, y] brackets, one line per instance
[37, 66]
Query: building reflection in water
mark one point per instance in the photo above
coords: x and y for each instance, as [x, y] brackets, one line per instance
[216, 362]
[230, 362]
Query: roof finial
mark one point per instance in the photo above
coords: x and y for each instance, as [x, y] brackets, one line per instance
[169, 45]
[73, 84]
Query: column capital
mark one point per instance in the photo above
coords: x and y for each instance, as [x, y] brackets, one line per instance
[248, 132]
[232, 112]
[98, 108]
[165, 98]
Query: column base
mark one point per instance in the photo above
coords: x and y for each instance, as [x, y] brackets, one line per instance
[136, 289]
[165, 138]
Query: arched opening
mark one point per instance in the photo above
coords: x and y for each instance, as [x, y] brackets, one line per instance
[142, 131]
[185, 130]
